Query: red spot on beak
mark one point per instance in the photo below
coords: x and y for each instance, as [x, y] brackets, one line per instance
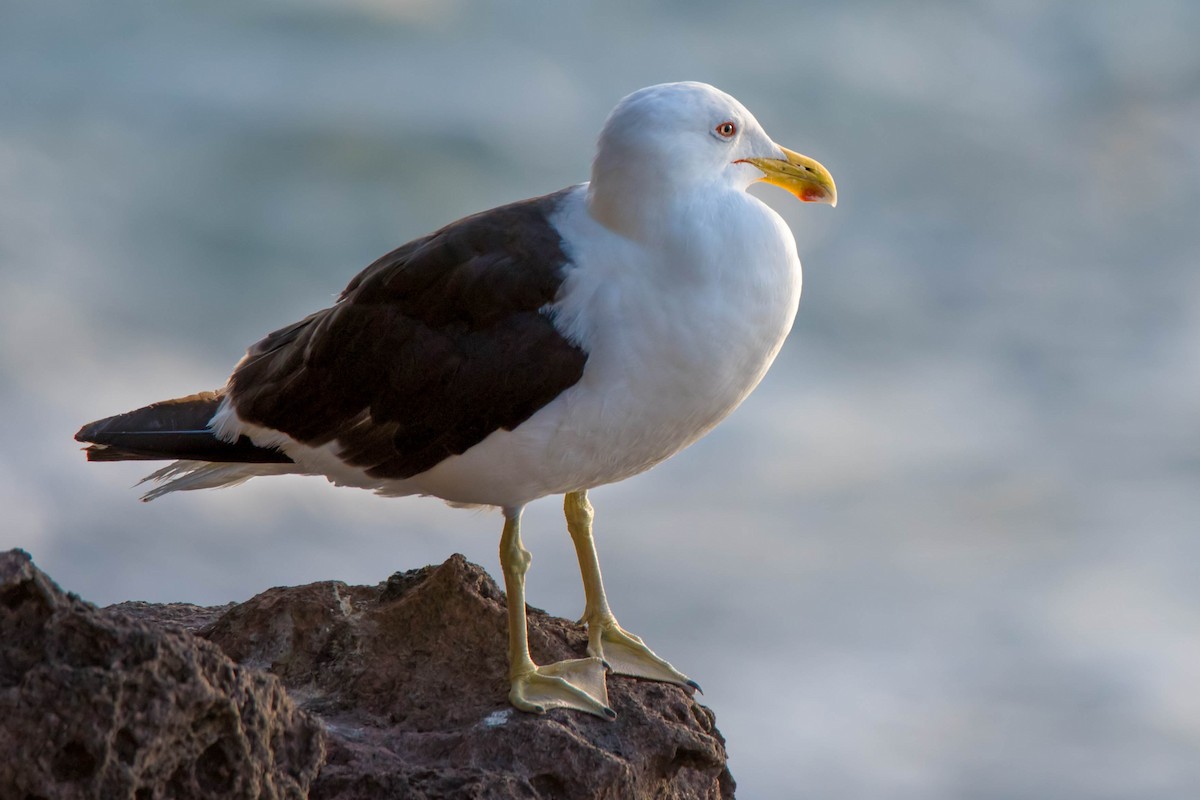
[812, 195]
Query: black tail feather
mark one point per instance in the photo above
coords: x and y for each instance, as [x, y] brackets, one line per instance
[168, 431]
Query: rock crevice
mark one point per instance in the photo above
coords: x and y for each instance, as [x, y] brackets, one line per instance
[94, 705]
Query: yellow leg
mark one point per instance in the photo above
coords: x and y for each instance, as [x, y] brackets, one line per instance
[577, 684]
[623, 652]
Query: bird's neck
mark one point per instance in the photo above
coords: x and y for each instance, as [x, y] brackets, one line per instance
[634, 197]
[622, 212]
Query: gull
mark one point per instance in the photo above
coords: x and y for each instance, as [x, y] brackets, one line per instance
[544, 347]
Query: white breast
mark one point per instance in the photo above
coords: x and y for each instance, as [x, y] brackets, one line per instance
[677, 335]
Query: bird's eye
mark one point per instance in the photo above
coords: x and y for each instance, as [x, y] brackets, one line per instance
[727, 129]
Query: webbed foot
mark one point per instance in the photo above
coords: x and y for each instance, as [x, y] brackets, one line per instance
[577, 684]
[626, 653]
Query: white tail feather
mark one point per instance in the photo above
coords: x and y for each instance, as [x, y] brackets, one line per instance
[184, 476]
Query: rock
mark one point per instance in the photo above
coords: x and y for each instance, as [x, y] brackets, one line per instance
[409, 679]
[101, 705]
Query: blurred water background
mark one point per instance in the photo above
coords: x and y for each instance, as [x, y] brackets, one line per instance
[949, 549]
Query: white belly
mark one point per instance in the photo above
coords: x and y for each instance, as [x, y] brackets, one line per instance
[670, 354]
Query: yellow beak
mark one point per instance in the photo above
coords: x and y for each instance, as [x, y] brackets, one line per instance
[800, 175]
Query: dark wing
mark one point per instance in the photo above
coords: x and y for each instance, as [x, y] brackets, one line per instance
[427, 352]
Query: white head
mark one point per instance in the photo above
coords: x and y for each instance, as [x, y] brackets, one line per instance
[665, 141]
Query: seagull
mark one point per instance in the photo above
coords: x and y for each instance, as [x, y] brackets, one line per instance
[541, 348]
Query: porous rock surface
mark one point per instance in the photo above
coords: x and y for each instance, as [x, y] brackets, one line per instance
[96, 705]
[409, 681]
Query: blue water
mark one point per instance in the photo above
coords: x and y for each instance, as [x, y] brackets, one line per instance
[947, 550]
